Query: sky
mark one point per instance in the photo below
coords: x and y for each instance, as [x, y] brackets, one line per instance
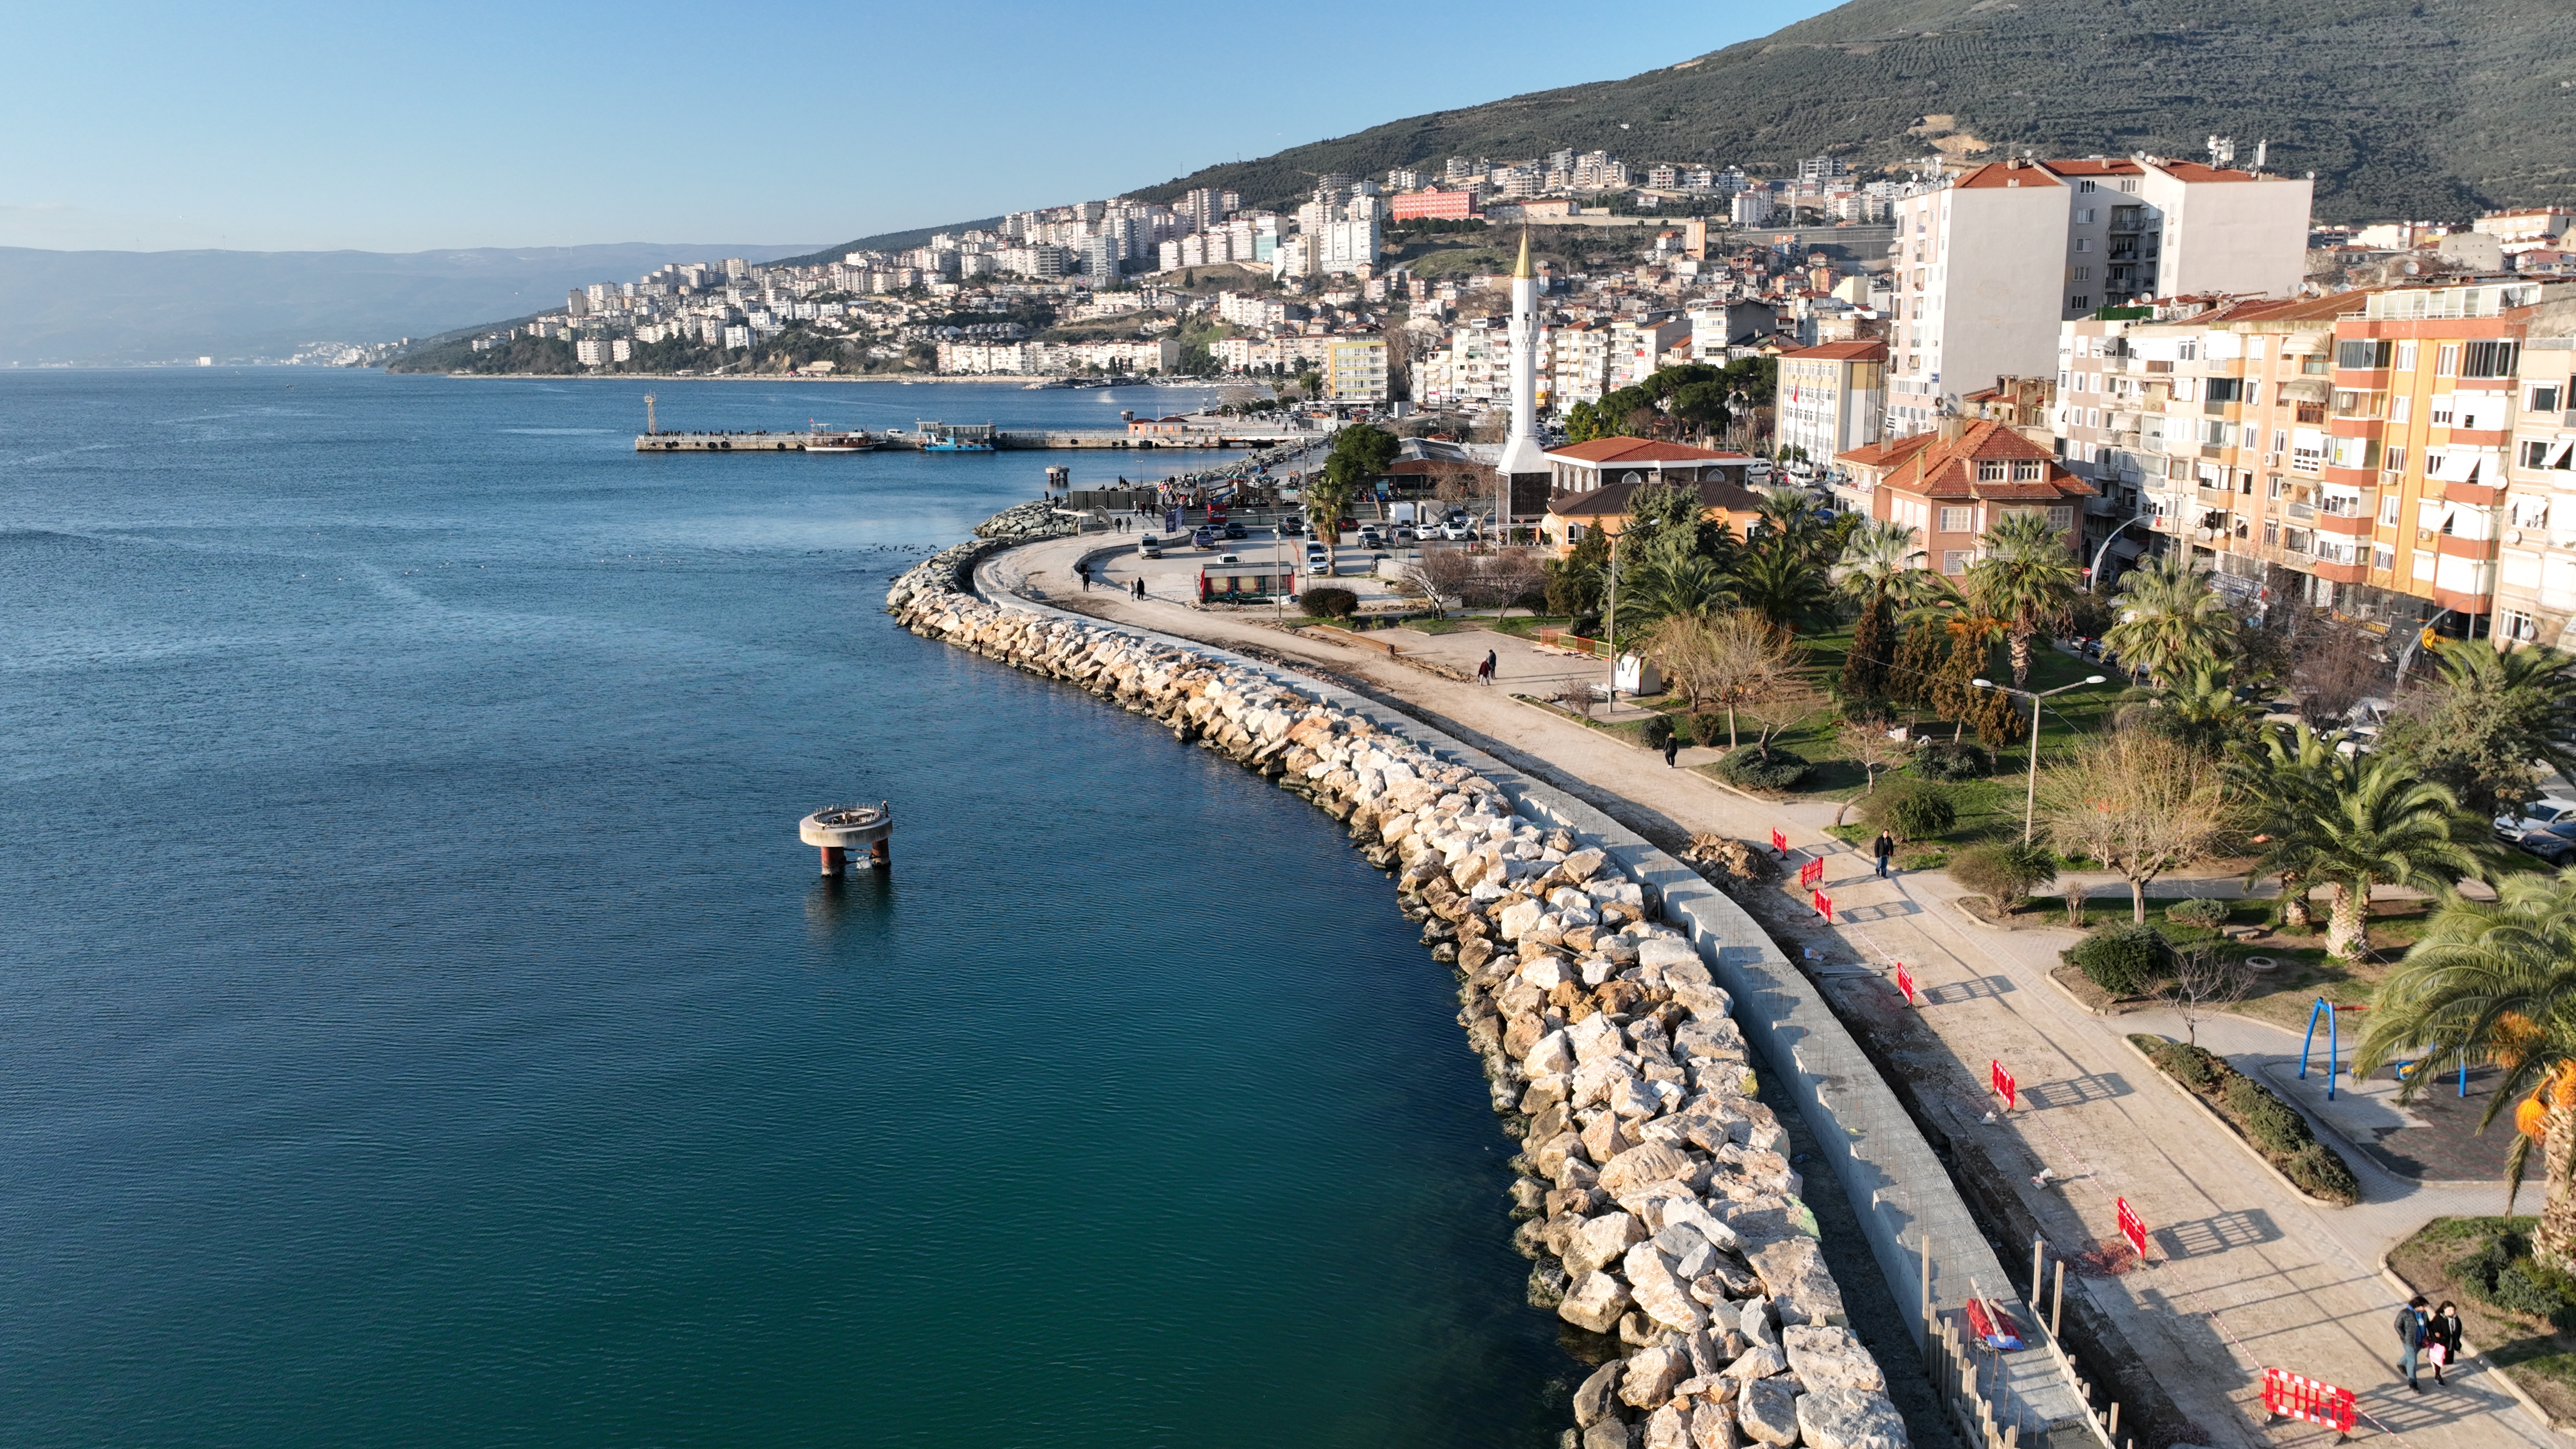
[291, 126]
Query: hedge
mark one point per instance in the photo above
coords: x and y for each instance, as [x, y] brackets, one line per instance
[1760, 769]
[2275, 1129]
[1329, 602]
[2124, 960]
[1909, 809]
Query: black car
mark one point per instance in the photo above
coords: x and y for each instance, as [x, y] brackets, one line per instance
[1236, 530]
[2555, 844]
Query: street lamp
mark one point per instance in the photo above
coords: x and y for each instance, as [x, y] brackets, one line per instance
[2030, 797]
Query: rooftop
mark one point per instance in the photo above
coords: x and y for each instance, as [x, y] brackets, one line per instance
[1934, 467]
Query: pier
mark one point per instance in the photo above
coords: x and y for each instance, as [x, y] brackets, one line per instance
[1003, 440]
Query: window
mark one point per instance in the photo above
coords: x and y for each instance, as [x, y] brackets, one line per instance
[2187, 352]
[2544, 399]
[2401, 408]
[2445, 408]
[2062, 517]
[2223, 389]
[2029, 472]
[2488, 359]
[2362, 354]
[2271, 533]
[2084, 214]
[2388, 511]
[2295, 540]
[2545, 453]
[2083, 274]
[2530, 511]
[2080, 302]
[2446, 363]
[1958, 520]
[2082, 186]
[2406, 355]
[2280, 441]
[2084, 243]
[2518, 626]
[1990, 471]
[1954, 561]
[2274, 487]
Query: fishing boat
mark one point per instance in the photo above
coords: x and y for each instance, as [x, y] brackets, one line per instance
[836, 440]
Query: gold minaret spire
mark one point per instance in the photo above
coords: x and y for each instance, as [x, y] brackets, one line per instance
[1523, 268]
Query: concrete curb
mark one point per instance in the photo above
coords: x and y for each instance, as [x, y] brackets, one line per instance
[2228, 1129]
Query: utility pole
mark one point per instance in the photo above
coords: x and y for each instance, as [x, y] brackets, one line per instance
[2030, 797]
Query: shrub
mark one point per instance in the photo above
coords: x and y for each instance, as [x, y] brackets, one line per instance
[2124, 960]
[1329, 602]
[2319, 1172]
[1758, 769]
[1909, 809]
[2200, 912]
[1655, 731]
[2266, 1118]
[2004, 874]
[1952, 760]
[2478, 1271]
[2192, 1066]
[2523, 1286]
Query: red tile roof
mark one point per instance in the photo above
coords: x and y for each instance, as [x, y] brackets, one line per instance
[1929, 467]
[1609, 452]
[1868, 350]
[1995, 175]
[1611, 500]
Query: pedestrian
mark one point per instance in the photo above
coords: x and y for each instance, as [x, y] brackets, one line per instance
[2414, 1330]
[1140, 588]
[2446, 1338]
[1885, 849]
[1486, 670]
[1672, 747]
[1086, 576]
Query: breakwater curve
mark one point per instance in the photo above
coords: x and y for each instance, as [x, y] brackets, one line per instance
[1653, 1197]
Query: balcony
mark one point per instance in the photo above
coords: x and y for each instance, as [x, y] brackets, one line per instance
[2303, 512]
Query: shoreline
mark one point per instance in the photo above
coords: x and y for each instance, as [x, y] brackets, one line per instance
[1662, 1218]
[909, 379]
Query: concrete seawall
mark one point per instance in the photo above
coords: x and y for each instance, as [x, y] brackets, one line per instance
[1617, 1045]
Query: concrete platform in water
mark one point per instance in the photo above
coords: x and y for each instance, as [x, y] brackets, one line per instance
[1026, 440]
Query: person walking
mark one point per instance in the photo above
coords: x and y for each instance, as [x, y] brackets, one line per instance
[1672, 747]
[2446, 1339]
[2414, 1331]
[1485, 671]
[1885, 849]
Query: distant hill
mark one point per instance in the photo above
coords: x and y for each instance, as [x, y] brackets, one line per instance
[109, 307]
[2403, 108]
[890, 241]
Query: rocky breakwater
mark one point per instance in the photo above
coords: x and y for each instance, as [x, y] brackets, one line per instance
[1653, 1196]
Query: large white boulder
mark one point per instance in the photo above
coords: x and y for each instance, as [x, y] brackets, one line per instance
[1595, 1303]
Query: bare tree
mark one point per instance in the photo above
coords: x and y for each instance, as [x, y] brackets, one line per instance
[1866, 742]
[2336, 665]
[2139, 803]
[2203, 984]
[1723, 663]
[1788, 704]
[1576, 695]
[1451, 574]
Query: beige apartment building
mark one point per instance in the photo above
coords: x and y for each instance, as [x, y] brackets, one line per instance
[1830, 399]
[2353, 451]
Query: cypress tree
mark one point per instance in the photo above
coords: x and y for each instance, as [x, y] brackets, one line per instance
[1865, 667]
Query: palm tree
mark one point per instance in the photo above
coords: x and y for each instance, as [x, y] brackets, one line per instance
[2202, 712]
[1671, 577]
[1877, 567]
[2028, 576]
[2171, 620]
[2377, 823]
[1775, 578]
[1789, 514]
[2290, 784]
[2497, 983]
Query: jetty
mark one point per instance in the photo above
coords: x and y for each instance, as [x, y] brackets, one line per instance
[1000, 440]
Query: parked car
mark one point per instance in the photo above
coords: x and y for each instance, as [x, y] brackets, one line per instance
[1457, 530]
[1203, 537]
[1371, 538]
[1291, 527]
[1316, 556]
[1404, 533]
[1150, 546]
[1234, 530]
[1229, 558]
[2538, 813]
[2555, 844]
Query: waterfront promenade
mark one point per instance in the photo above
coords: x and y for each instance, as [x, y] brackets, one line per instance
[2249, 1273]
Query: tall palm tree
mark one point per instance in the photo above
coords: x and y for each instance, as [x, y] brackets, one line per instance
[2289, 784]
[2202, 712]
[1776, 579]
[1671, 577]
[2377, 823]
[2171, 620]
[2497, 983]
[2028, 576]
[1789, 514]
[1879, 561]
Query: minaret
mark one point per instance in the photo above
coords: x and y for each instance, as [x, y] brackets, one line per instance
[1523, 456]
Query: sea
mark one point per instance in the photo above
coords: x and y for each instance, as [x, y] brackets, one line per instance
[419, 1023]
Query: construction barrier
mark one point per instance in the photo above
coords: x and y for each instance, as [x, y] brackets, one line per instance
[2003, 1084]
[2295, 1396]
[1905, 982]
[1825, 907]
[2133, 1229]
[1780, 843]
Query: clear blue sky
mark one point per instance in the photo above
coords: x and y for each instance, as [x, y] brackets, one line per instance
[406, 126]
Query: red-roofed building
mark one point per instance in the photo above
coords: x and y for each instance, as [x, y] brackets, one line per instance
[1590, 483]
[1952, 484]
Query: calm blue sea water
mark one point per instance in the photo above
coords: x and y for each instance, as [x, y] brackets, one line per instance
[419, 1024]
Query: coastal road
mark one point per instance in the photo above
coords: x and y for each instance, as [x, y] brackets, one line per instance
[2248, 1273]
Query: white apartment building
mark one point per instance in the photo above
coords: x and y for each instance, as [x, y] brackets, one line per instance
[2536, 559]
[1831, 398]
[1991, 264]
[1637, 345]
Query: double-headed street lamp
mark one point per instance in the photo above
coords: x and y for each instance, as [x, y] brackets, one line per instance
[2030, 798]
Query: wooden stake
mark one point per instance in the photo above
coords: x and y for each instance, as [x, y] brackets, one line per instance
[2057, 1303]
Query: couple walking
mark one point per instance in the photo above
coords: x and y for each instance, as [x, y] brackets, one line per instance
[1485, 671]
[2426, 1337]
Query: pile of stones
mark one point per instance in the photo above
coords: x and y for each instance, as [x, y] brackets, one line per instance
[1653, 1195]
[1025, 523]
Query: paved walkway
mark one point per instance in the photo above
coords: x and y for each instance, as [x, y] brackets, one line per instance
[2248, 1273]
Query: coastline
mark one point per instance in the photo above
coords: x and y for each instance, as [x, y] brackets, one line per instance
[1662, 1219]
[911, 379]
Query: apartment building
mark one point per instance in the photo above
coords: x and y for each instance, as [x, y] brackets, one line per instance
[1831, 398]
[2536, 558]
[1355, 369]
[1955, 482]
[1637, 346]
[1991, 265]
[1577, 364]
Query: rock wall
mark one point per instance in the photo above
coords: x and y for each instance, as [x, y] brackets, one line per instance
[1653, 1196]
